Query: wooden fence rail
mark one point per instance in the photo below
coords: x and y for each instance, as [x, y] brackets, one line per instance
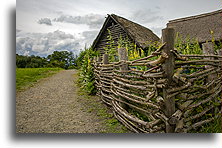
[175, 93]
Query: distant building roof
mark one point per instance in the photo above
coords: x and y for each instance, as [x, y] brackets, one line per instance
[138, 33]
[199, 26]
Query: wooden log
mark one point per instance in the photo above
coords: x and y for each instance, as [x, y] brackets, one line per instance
[174, 119]
[172, 90]
[198, 73]
[199, 114]
[134, 100]
[205, 100]
[180, 126]
[140, 128]
[131, 91]
[203, 56]
[131, 81]
[124, 122]
[131, 95]
[184, 106]
[200, 62]
[204, 75]
[149, 112]
[138, 87]
[198, 124]
[208, 48]
[168, 68]
[143, 83]
[127, 115]
[154, 75]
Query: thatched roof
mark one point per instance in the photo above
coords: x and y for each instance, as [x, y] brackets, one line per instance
[138, 33]
[200, 26]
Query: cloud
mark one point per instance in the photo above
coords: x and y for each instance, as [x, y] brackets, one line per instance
[92, 20]
[89, 36]
[146, 16]
[43, 44]
[45, 21]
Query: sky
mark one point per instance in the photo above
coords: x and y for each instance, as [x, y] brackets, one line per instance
[43, 26]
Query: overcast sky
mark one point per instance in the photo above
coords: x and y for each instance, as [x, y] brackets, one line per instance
[43, 26]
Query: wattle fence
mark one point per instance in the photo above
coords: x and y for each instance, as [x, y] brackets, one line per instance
[174, 92]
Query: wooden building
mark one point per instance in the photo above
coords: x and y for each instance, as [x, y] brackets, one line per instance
[201, 27]
[119, 26]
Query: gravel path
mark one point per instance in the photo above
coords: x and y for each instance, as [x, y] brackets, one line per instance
[54, 106]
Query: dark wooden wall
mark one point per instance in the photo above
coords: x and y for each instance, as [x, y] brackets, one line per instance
[116, 32]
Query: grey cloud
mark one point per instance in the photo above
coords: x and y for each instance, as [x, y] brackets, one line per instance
[45, 21]
[92, 20]
[146, 16]
[43, 44]
[89, 36]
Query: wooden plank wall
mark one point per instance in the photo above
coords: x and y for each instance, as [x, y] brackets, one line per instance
[116, 32]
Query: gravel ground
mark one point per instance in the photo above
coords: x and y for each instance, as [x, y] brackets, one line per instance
[54, 106]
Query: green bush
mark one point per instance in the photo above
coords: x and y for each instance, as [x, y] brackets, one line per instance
[86, 75]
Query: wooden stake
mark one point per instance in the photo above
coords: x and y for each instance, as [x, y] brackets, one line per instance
[168, 67]
[208, 49]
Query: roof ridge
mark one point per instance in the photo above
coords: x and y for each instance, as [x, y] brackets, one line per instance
[129, 21]
[196, 16]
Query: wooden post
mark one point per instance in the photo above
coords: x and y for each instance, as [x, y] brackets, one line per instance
[168, 67]
[219, 52]
[208, 49]
[105, 59]
[123, 56]
[99, 59]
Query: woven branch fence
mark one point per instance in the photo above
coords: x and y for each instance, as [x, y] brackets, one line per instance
[168, 92]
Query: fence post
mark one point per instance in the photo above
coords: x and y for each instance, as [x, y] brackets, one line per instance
[105, 59]
[208, 49]
[220, 54]
[98, 59]
[123, 56]
[168, 67]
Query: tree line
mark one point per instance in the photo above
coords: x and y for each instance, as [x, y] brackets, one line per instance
[62, 59]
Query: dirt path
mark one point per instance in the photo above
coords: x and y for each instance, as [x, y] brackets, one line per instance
[54, 106]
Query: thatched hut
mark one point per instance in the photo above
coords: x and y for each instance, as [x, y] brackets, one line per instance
[202, 27]
[121, 27]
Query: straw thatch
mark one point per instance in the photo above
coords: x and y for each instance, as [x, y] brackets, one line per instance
[120, 26]
[201, 27]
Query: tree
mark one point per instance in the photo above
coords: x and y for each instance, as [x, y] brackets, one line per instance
[63, 59]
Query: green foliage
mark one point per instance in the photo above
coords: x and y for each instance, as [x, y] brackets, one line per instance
[62, 59]
[139, 115]
[30, 61]
[189, 46]
[134, 52]
[86, 75]
[110, 48]
[27, 76]
[213, 127]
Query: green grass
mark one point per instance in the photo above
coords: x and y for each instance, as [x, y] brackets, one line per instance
[92, 104]
[213, 127]
[26, 77]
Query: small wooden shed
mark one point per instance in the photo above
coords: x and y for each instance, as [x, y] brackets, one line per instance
[125, 28]
[201, 27]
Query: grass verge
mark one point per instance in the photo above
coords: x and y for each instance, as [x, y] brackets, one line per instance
[93, 104]
[26, 77]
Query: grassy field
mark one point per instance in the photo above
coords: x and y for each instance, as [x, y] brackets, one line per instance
[26, 77]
